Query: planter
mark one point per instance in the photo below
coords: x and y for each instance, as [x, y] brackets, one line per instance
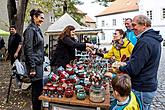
[81, 94]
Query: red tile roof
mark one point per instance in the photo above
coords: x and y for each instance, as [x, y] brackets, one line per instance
[120, 6]
[80, 11]
[88, 19]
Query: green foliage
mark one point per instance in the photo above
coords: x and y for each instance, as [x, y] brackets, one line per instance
[103, 2]
[44, 5]
[71, 10]
[55, 7]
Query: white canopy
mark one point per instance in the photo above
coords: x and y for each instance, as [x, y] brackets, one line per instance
[62, 22]
[66, 20]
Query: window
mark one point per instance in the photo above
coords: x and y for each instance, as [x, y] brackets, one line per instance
[149, 14]
[103, 36]
[124, 21]
[103, 23]
[51, 19]
[163, 13]
[113, 22]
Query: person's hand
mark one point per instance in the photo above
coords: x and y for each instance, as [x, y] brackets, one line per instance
[89, 45]
[109, 74]
[93, 52]
[32, 74]
[16, 55]
[121, 64]
[116, 64]
[112, 59]
[88, 49]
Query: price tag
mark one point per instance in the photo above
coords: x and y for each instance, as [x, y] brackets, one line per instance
[45, 104]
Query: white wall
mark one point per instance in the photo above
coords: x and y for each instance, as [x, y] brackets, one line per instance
[119, 19]
[158, 23]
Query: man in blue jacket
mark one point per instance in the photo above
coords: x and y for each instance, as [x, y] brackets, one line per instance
[144, 62]
[129, 32]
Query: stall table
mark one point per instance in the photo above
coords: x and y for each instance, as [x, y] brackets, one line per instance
[73, 101]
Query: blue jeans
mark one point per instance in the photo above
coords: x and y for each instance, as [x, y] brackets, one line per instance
[146, 98]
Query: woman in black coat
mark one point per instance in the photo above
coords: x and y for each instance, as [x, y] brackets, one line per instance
[65, 50]
[34, 55]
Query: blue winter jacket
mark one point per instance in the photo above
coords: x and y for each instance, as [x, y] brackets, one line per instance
[144, 62]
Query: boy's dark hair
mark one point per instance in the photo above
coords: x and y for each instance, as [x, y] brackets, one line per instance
[122, 84]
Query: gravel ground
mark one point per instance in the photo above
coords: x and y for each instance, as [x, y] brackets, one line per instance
[159, 100]
[18, 100]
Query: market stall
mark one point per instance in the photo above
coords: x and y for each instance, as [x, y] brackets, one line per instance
[56, 28]
[81, 84]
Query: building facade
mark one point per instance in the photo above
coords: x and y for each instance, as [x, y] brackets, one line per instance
[155, 10]
[113, 17]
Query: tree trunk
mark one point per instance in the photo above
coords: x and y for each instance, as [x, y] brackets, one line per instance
[17, 14]
[11, 6]
[65, 6]
[21, 15]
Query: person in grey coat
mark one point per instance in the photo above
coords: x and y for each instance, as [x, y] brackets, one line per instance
[34, 55]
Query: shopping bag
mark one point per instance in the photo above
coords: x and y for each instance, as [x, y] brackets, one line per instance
[20, 68]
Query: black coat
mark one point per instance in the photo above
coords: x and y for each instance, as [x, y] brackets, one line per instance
[34, 50]
[65, 51]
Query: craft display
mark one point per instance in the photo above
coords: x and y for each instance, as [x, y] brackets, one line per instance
[82, 77]
[45, 91]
